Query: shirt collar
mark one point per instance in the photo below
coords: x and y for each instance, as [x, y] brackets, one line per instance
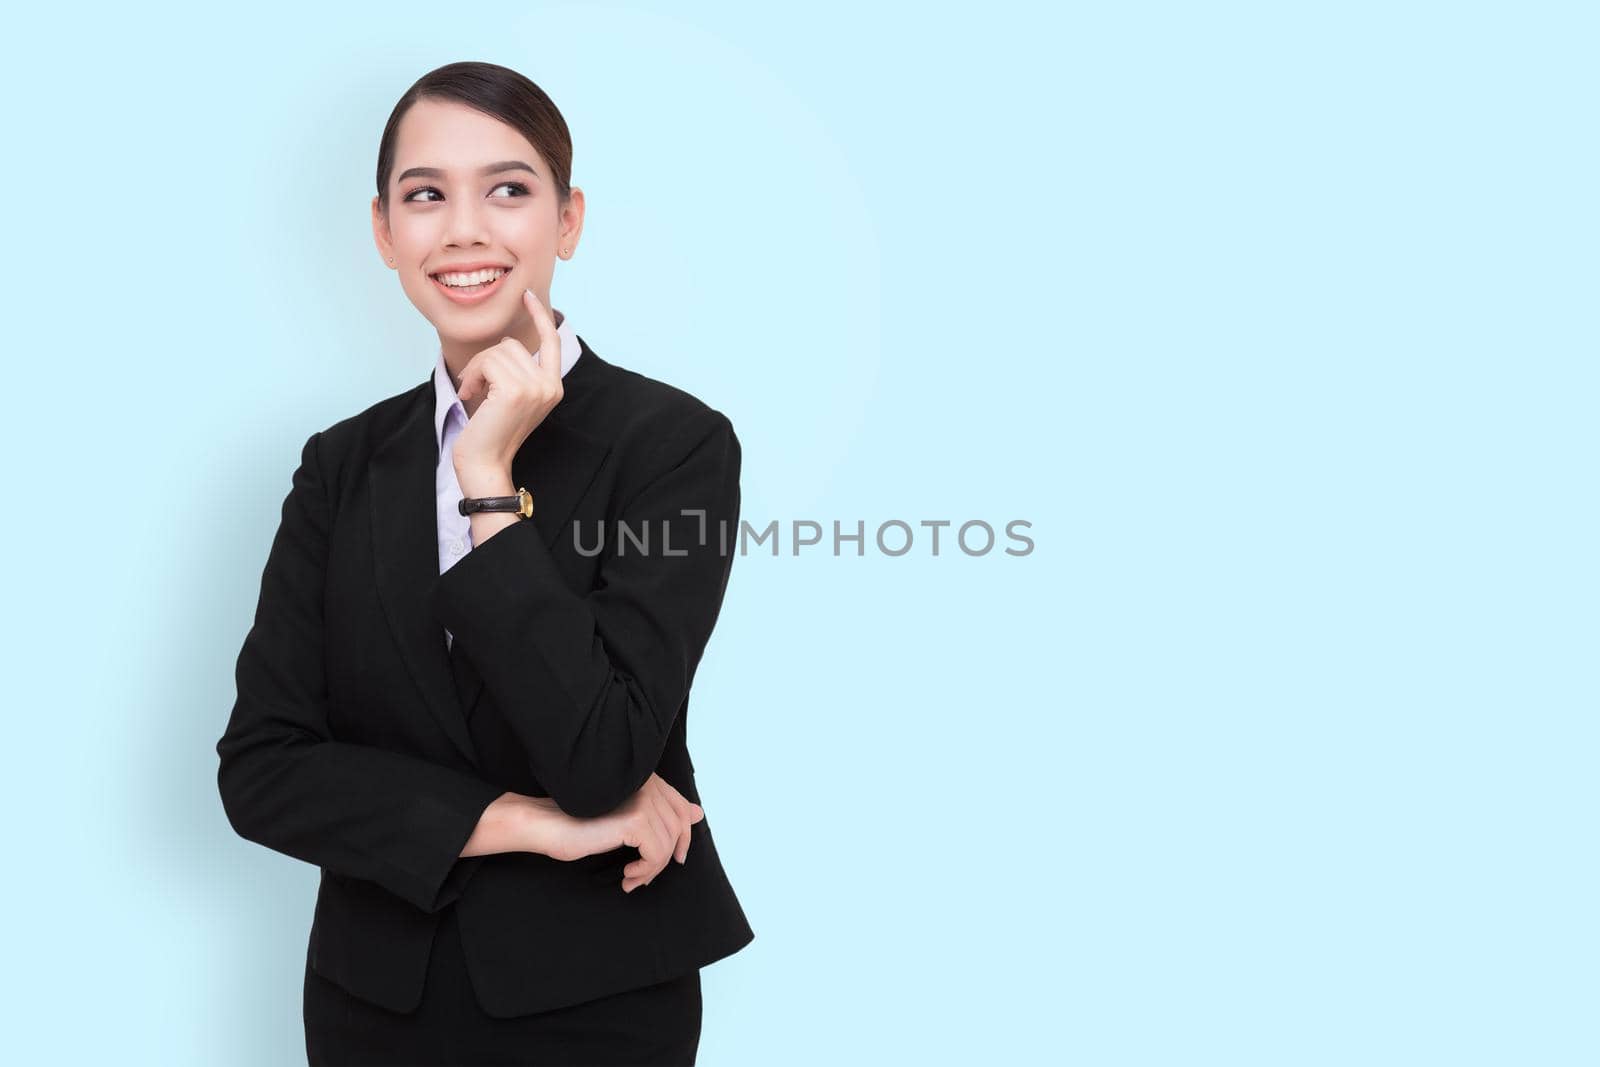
[444, 391]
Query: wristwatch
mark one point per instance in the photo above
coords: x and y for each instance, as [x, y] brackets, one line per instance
[522, 504]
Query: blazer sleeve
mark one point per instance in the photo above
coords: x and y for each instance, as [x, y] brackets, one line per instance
[591, 684]
[354, 810]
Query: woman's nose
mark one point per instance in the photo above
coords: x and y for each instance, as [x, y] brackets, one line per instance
[465, 225]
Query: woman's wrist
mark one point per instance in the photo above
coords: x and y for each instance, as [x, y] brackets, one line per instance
[514, 822]
[540, 817]
[485, 481]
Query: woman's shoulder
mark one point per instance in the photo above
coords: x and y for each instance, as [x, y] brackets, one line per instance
[375, 422]
[619, 401]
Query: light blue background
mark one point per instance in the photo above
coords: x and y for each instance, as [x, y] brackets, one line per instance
[1276, 321]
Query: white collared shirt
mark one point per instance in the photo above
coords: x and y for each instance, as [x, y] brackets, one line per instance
[449, 419]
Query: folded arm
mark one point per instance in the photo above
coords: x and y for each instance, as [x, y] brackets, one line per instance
[356, 810]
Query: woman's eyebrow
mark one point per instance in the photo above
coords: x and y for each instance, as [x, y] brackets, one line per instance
[492, 168]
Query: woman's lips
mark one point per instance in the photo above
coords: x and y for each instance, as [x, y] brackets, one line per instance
[475, 294]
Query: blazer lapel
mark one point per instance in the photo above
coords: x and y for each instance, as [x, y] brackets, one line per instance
[557, 463]
[405, 549]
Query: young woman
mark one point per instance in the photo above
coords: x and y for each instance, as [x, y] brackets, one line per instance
[465, 692]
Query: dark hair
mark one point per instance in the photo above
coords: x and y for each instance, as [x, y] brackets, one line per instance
[494, 90]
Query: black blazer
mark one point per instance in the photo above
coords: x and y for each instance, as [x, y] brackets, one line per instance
[352, 744]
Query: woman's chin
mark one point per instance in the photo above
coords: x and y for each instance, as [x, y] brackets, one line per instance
[453, 328]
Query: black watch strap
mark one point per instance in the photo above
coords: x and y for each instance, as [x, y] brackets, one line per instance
[521, 504]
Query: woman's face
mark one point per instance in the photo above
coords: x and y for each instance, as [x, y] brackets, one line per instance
[453, 215]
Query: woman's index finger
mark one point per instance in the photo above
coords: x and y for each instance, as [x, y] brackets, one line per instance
[549, 342]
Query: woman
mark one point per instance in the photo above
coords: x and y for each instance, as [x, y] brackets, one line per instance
[465, 692]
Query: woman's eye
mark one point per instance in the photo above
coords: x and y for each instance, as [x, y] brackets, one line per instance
[415, 196]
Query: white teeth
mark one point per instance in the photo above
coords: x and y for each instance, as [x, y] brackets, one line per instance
[477, 277]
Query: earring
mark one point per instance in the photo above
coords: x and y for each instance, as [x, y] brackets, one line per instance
[391, 263]
[564, 251]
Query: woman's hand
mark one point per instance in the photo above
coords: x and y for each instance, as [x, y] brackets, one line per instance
[656, 820]
[507, 394]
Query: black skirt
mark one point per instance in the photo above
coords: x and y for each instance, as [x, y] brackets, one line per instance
[655, 1024]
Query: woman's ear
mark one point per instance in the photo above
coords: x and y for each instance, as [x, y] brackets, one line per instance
[571, 222]
[380, 234]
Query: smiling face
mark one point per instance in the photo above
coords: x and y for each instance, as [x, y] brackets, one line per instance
[468, 191]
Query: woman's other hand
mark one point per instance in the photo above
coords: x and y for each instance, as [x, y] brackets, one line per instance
[656, 820]
[507, 393]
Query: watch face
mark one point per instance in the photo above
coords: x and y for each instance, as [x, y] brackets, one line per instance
[525, 500]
